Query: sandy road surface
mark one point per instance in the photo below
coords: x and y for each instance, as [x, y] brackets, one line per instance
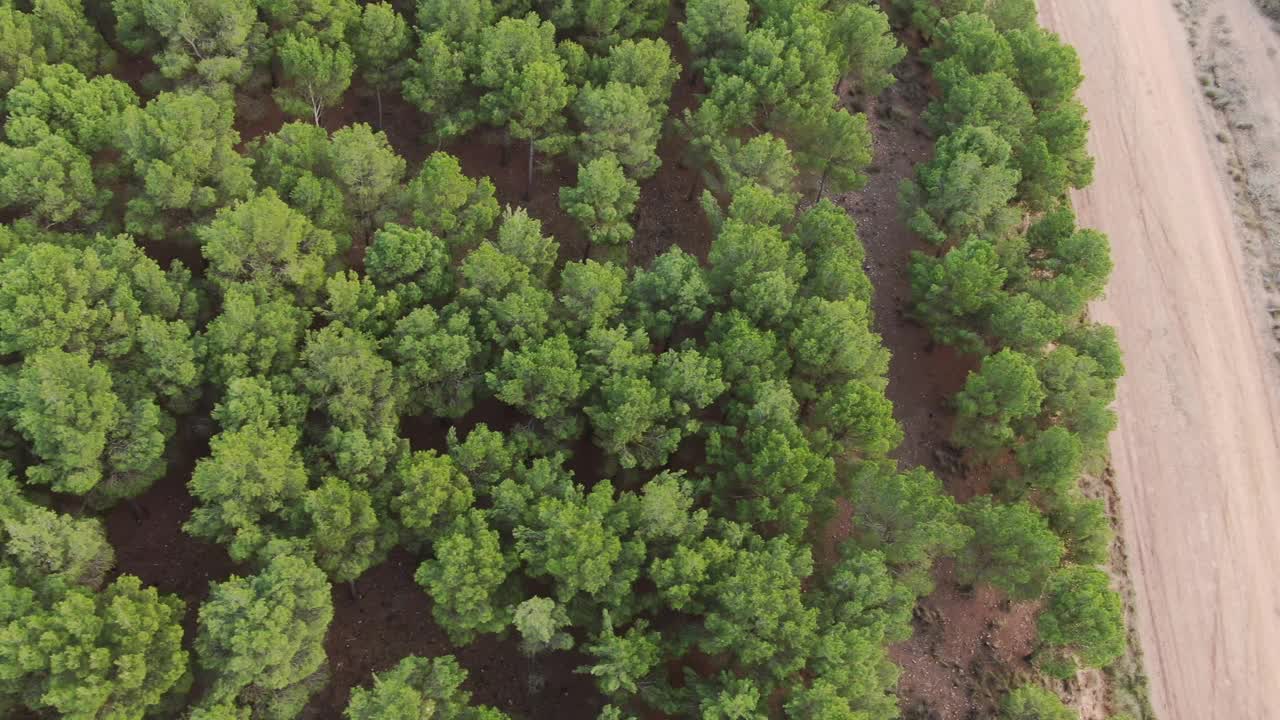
[1197, 453]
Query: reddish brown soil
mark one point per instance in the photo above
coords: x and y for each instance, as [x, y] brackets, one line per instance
[134, 70]
[150, 543]
[257, 116]
[922, 375]
[148, 537]
[965, 644]
[182, 249]
[431, 433]
[666, 216]
[391, 619]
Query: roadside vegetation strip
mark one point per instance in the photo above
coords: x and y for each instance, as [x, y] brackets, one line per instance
[1010, 284]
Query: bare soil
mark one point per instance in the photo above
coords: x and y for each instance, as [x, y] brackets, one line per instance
[390, 618]
[149, 541]
[1197, 450]
[968, 644]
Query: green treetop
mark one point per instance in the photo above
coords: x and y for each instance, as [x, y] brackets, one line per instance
[430, 492]
[1012, 547]
[181, 152]
[60, 100]
[86, 655]
[254, 337]
[465, 578]
[756, 612]
[540, 622]
[855, 418]
[348, 184]
[267, 247]
[103, 328]
[833, 147]
[996, 401]
[621, 661]
[990, 100]
[603, 201]
[672, 293]
[434, 361]
[418, 688]
[380, 40]
[542, 380]
[955, 294]
[1078, 396]
[602, 23]
[435, 82]
[578, 539]
[264, 634]
[1047, 68]
[591, 294]
[969, 40]
[344, 530]
[644, 64]
[861, 38]
[368, 173]
[250, 489]
[327, 20]
[763, 160]
[714, 27]
[49, 551]
[1064, 267]
[450, 204]
[316, 75]
[965, 189]
[1082, 622]
[52, 31]
[1050, 461]
[1084, 527]
[1032, 703]
[412, 263]
[66, 409]
[509, 305]
[51, 183]
[619, 119]
[20, 48]
[459, 20]
[296, 162]
[908, 517]
[766, 470]
[523, 83]
[486, 456]
[832, 342]
[211, 42]
[354, 404]
[755, 271]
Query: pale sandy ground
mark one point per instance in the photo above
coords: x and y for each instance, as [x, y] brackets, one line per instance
[1197, 454]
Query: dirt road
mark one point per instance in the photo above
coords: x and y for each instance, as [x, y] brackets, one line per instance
[1197, 453]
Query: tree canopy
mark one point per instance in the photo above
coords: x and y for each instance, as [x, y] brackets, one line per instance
[261, 637]
[254, 289]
